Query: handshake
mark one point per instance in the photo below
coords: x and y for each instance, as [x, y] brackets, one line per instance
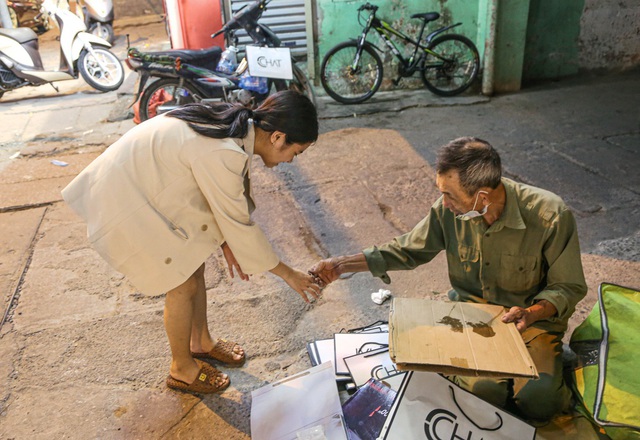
[326, 271]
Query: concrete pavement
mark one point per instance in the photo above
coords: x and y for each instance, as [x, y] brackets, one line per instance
[85, 356]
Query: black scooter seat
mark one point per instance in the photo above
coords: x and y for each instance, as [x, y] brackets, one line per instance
[21, 35]
[191, 56]
[205, 58]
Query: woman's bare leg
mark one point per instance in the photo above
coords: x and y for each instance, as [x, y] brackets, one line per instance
[201, 341]
[178, 322]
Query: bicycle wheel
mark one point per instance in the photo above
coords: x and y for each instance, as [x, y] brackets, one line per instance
[167, 92]
[342, 82]
[300, 83]
[458, 68]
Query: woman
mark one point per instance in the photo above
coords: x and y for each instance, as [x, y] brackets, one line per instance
[161, 199]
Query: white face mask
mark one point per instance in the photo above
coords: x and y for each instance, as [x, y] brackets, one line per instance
[473, 213]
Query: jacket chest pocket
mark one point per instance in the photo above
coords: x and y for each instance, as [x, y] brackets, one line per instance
[518, 273]
[467, 263]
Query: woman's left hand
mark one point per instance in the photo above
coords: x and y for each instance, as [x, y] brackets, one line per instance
[303, 283]
[232, 262]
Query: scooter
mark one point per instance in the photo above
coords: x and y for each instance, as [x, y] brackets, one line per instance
[98, 17]
[80, 53]
[196, 76]
[26, 13]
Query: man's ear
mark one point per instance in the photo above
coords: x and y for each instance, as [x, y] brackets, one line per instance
[484, 196]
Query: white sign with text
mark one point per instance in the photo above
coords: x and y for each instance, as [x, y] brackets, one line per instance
[270, 62]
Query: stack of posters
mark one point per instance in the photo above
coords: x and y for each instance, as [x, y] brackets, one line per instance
[393, 368]
[358, 355]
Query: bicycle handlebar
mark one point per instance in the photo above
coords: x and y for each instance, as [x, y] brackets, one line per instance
[368, 7]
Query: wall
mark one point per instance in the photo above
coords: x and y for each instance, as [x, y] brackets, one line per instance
[134, 8]
[570, 36]
[609, 35]
[562, 37]
[511, 32]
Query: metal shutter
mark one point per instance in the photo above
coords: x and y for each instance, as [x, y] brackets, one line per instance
[285, 17]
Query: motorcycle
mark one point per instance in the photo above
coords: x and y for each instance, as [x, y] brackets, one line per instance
[186, 76]
[98, 17]
[80, 53]
[26, 13]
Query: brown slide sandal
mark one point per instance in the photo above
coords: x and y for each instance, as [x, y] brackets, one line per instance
[205, 383]
[222, 352]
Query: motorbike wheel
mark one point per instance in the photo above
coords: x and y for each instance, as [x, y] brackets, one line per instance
[103, 30]
[165, 91]
[103, 71]
[300, 83]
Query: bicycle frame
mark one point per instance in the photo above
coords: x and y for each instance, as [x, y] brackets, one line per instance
[386, 32]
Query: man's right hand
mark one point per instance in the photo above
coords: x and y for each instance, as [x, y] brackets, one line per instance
[327, 270]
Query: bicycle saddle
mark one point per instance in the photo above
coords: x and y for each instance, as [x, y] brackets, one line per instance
[427, 16]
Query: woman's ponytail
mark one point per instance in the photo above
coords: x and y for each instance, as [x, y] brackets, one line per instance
[287, 111]
[215, 120]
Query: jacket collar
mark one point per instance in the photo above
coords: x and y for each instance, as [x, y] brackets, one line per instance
[511, 217]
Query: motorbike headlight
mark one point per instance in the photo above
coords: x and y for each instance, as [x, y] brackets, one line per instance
[132, 64]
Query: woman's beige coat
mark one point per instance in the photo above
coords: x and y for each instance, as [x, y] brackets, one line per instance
[161, 199]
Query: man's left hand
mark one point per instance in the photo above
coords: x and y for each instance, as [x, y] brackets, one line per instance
[521, 317]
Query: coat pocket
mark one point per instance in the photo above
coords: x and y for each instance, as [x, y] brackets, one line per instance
[173, 227]
[518, 273]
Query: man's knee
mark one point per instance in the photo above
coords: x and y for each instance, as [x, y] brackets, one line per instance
[492, 392]
[489, 390]
[543, 398]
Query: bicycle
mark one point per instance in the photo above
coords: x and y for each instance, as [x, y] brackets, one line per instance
[351, 72]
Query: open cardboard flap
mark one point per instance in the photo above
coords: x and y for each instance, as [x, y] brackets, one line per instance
[456, 338]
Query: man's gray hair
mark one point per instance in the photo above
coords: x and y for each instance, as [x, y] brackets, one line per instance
[476, 161]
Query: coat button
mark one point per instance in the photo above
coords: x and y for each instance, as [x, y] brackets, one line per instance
[204, 227]
[167, 261]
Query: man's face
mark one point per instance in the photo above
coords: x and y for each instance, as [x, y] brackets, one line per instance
[455, 198]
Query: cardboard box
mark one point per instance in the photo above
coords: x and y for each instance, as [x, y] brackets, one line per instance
[459, 338]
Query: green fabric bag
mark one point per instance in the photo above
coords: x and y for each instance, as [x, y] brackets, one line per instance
[606, 382]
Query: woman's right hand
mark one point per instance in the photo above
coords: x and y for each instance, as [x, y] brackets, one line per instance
[232, 262]
[301, 282]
